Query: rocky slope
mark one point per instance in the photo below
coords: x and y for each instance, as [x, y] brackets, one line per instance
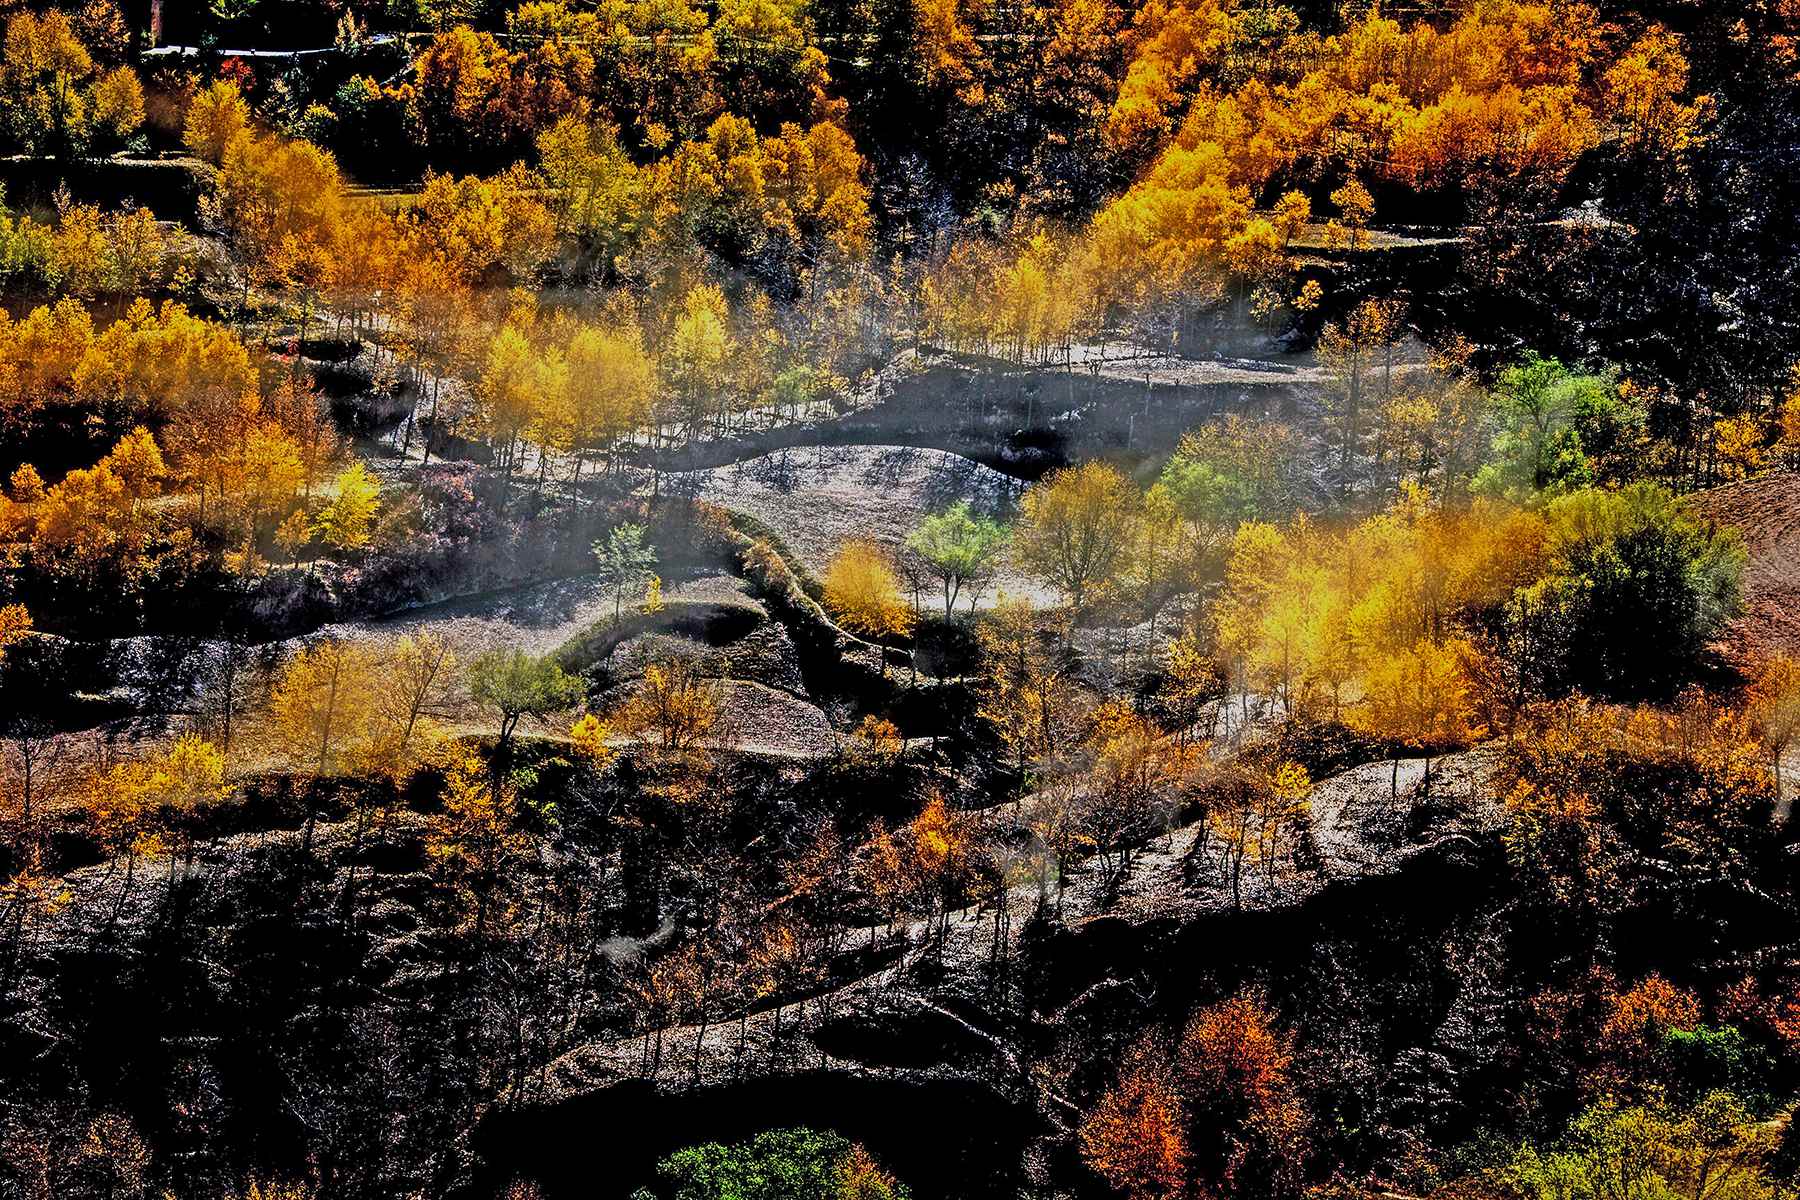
[939, 1057]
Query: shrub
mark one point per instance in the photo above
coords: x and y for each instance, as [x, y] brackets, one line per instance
[1627, 571]
[780, 1164]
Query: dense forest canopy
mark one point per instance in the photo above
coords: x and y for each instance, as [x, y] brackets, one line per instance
[814, 599]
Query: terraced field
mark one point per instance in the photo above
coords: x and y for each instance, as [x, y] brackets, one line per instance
[818, 497]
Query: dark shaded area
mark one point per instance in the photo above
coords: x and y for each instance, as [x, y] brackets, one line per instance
[947, 1140]
[169, 189]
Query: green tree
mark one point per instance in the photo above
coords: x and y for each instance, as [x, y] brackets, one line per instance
[516, 685]
[624, 562]
[1708, 1058]
[779, 1164]
[1630, 570]
[794, 390]
[1223, 475]
[1208, 492]
[1555, 425]
[959, 548]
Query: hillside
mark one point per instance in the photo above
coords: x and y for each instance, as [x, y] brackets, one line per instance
[1766, 512]
[899, 600]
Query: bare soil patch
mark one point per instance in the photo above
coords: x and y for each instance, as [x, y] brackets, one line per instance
[1766, 512]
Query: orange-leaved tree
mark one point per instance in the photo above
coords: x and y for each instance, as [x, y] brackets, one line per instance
[1135, 1138]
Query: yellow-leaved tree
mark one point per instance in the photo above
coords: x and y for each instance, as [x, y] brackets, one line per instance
[138, 808]
[15, 623]
[1421, 697]
[591, 737]
[347, 521]
[614, 380]
[215, 117]
[323, 707]
[862, 590]
[699, 347]
[59, 101]
[475, 836]
[1774, 707]
[1075, 530]
[416, 674]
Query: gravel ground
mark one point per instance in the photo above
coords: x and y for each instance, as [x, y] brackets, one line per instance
[536, 618]
[717, 589]
[1119, 360]
[759, 674]
[764, 720]
[766, 655]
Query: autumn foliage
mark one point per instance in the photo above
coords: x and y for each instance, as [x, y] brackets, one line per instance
[393, 554]
[862, 591]
[1219, 1116]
